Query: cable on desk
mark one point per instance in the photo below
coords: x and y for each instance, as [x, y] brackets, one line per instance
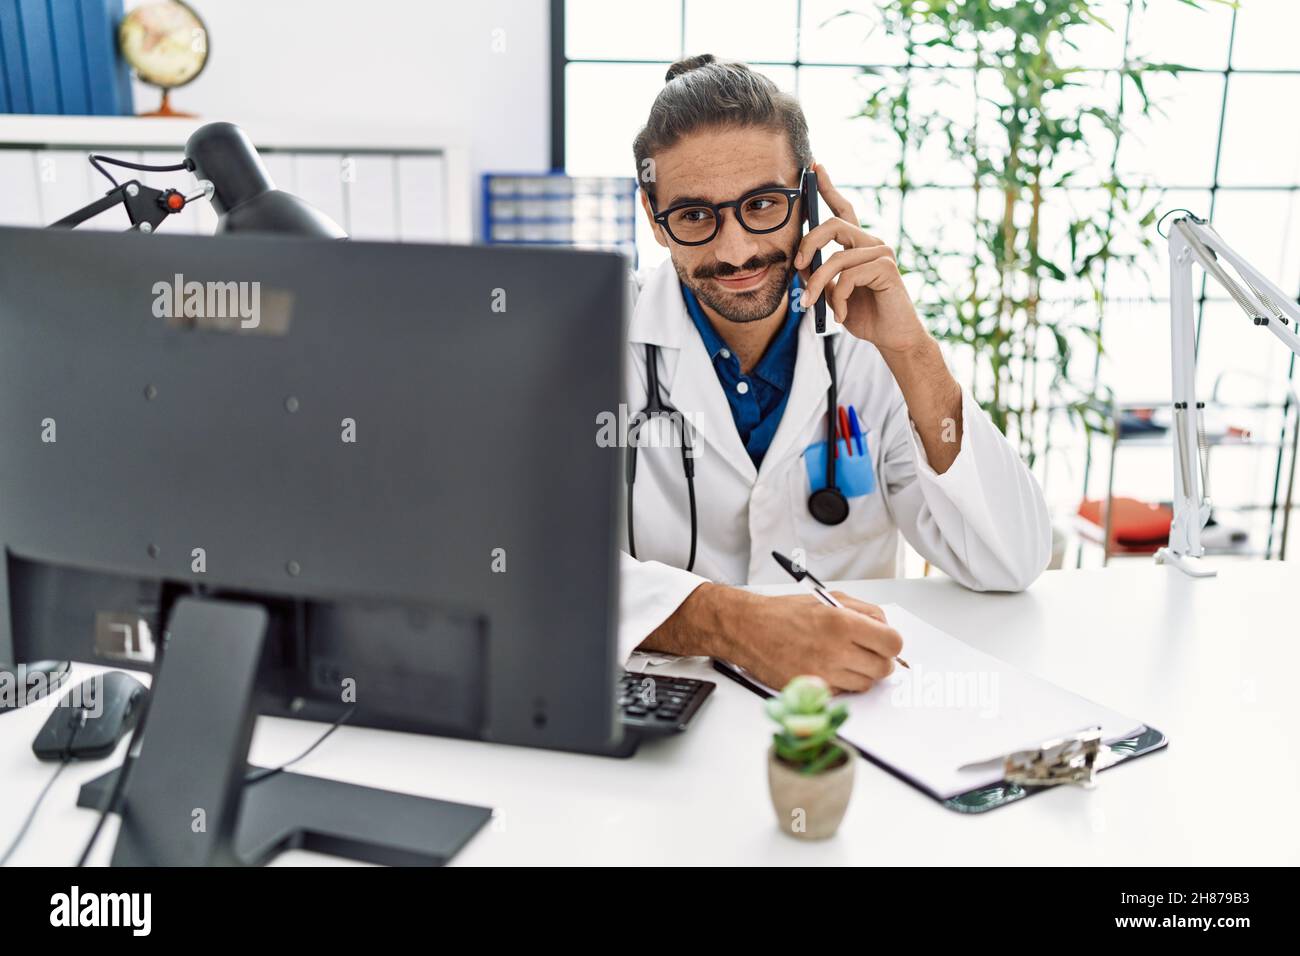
[116, 790]
[31, 814]
[261, 775]
[119, 783]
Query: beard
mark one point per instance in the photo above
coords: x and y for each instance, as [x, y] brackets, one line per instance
[749, 306]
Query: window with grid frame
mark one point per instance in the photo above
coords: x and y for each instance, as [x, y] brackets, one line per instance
[1217, 144]
[1203, 148]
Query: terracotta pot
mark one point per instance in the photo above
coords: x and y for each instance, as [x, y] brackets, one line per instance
[810, 807]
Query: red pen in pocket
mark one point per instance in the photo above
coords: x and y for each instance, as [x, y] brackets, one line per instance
[844, 431]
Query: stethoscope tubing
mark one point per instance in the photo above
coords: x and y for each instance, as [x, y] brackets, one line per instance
[656, 406]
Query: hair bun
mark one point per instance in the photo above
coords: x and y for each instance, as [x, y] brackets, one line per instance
[688, 64]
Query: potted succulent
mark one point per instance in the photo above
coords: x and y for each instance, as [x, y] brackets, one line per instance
[810, 775]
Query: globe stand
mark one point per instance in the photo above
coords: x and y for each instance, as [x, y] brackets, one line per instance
[165, 108]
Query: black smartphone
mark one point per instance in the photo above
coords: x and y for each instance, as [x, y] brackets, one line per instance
[810, 214]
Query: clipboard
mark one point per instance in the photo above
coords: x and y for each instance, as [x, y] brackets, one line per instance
[989, 796]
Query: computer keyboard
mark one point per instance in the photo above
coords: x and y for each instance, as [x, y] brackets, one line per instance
[654, 704]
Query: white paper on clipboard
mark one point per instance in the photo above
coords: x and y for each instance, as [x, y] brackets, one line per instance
[949, 720]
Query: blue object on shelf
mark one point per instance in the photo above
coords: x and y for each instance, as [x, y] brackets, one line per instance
[38, 44]
[74, 81]
[1135, 421]
[61, 57]
[541, 209]
[13, 61]
[109, 78]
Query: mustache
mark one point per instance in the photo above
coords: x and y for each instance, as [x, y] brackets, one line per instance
[720, 270]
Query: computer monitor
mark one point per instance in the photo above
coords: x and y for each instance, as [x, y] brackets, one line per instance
[390, 449]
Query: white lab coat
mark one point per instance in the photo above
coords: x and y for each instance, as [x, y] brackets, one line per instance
[983, 522]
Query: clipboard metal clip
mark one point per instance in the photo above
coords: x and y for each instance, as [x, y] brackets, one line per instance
[1072, 759]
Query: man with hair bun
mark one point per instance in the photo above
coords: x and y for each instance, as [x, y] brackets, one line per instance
[724, 335]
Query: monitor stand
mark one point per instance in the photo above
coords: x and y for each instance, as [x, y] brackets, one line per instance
[186, 802]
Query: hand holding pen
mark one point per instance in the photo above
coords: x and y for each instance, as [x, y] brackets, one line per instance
[810, 582]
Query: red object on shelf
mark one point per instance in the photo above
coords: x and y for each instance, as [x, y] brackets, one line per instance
[1134, 524]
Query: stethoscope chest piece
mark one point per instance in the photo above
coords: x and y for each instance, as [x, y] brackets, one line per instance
[828, 506]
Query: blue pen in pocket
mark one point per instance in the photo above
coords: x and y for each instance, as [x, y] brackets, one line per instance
[855, 431]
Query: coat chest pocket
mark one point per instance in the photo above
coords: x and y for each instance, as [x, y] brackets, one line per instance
[855, 476]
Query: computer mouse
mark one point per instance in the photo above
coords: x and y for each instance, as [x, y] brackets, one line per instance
[91, 718]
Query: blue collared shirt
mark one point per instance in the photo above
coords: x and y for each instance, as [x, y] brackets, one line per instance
[758, 399]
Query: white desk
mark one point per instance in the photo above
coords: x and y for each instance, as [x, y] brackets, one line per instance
[1213, 663]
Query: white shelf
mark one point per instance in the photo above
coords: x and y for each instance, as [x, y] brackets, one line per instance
[149, 132]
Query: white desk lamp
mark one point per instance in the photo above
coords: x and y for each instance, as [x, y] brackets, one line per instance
[1193, 240]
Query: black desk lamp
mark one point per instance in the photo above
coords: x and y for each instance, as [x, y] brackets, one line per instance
[233, 176]
[242, 192]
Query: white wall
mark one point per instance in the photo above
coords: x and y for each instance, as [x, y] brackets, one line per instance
[439, 63]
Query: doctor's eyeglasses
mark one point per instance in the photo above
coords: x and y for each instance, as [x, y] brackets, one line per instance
[759, 211]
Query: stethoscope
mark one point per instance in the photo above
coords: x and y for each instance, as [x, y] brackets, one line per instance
[828, 505]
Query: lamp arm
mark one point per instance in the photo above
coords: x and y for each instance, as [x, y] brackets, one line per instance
[146, 207]
[113, 197]
[1270, 306]
[1192, 242]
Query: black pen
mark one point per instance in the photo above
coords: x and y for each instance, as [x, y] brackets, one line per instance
[809, 581]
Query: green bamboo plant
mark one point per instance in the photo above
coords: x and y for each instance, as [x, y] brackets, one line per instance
[809, 720]
[997, 306]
